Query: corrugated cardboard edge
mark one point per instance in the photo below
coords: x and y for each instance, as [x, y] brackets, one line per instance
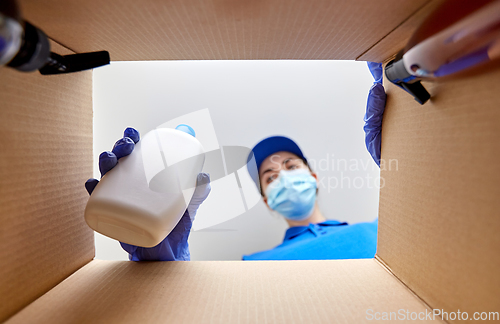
[397, 38]
[381, 262]
[462, 116]
[316, 291]
[220, 30]
[31, 128]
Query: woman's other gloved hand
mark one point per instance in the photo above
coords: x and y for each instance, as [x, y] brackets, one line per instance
[375, 107]
[175, 246]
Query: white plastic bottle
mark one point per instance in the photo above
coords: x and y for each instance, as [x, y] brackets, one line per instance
[144, 196]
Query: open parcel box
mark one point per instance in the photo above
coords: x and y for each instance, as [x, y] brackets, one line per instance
[439, 222]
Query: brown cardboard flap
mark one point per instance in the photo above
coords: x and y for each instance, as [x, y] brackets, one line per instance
[220, 29]
[45, 158]
[439, 218]
[396, 40]
[338, 291]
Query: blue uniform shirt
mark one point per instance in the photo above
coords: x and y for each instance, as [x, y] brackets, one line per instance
[327, 240]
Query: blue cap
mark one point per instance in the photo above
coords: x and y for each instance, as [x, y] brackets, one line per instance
[267, 147]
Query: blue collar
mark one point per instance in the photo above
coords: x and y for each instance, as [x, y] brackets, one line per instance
[297, 230]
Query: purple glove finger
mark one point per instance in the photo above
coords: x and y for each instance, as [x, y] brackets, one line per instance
[90, 185]
[375, 106]
[376, 70]
[132, 133]
[373, 121]
[107, 161]
[123, 147]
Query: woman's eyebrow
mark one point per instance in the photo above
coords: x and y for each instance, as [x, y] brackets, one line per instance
[271, 169]
[268, 170]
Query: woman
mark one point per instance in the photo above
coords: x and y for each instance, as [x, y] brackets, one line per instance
[289, 187]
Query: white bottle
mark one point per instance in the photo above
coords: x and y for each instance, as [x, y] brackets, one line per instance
[144, 196]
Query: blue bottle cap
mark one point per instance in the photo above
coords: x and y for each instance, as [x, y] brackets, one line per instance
[186, 129]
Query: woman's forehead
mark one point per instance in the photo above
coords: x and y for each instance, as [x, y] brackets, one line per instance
[275, 160]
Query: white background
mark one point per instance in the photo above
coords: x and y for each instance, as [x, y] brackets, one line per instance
[319, 104]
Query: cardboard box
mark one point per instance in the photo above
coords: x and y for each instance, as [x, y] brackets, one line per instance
[439, 210]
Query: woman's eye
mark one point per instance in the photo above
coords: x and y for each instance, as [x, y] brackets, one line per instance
[272, 178]
[292, 167]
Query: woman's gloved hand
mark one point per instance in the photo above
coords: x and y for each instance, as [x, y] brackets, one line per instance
[375, 107]
[175, 246]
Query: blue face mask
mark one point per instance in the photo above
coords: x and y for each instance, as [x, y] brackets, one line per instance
[293, 194]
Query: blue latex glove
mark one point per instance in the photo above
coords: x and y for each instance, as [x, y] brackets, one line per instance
[375, 107]
[175, 246]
